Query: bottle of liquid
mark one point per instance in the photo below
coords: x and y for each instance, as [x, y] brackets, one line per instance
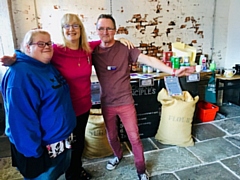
[201, 58]
[149, 69]
[204, 63]
[144, 68]
[175, 62]
[134, 67]
[212, 66]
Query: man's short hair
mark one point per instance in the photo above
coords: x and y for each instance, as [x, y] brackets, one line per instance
[107, 16]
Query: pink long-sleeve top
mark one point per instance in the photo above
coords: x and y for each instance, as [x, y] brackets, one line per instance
[76, 67]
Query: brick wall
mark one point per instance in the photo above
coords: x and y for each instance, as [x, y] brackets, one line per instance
[153, 23]
[156, 23]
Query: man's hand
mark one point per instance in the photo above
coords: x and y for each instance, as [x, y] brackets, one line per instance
[185, 71]
[127, 43]
[8, 60]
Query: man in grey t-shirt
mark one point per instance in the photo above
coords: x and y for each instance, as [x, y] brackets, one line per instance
[111, 60]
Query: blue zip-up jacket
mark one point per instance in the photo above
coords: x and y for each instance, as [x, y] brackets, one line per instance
[37, 105]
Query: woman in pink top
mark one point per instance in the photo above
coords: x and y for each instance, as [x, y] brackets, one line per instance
[73, 59]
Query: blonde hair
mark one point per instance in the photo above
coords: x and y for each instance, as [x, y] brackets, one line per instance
[83, 42]
[28, 38]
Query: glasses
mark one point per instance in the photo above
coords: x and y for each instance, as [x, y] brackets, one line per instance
[68, 26]
[101, 29]
[42, 44]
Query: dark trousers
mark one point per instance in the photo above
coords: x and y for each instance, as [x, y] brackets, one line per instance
[75, 167]
[42, 168]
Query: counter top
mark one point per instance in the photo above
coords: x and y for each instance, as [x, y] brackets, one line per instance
[235, 77]
[203, 75]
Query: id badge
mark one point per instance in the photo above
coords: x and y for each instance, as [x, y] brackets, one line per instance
[111, 68]
[173, 86]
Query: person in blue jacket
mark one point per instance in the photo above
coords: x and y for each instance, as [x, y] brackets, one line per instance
[39, 113]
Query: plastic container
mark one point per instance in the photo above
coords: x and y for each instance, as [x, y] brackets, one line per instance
[206, 111]
[212, 66]
[144, 68]
[149, 69]
[175, 62]
[204, 64]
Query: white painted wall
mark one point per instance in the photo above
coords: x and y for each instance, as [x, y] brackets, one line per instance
[6, 36]
[233, 35]
[224, 49]
[198, 29]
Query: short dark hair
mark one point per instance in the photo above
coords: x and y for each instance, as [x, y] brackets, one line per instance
[107, 16]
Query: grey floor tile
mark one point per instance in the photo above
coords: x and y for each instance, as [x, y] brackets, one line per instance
[87, 160]
[234, 139]
[165, 176]
[160, 145]
[232, 126]
[206, 172]
[125, 170]
[214, 149]
[168, 160]
[233, 164]
[147, 145]
[206, 131]
[229, 110]
[215, 155]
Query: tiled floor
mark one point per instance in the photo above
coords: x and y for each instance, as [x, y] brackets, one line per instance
[215, 155]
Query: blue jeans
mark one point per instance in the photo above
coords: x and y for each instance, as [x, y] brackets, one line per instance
[128, 116]
[59, 167]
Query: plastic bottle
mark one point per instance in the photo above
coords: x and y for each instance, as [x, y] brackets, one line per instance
[201, 58]
[134, 67]
[144, 68]
[212, 66]
[175, 62]
[204, 63]
[149, 69]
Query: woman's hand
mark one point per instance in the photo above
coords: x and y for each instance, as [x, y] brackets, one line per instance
[8, 60]
[127, 43]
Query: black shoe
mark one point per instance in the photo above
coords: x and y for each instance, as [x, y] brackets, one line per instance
[84, 175]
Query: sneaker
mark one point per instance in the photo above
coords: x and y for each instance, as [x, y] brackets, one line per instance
[143, 176]
[112, 163]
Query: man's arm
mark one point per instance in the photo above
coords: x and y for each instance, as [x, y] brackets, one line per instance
[158, 64]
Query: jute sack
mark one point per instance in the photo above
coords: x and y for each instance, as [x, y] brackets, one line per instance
[97, 111]
[96, 142]
[176, 119]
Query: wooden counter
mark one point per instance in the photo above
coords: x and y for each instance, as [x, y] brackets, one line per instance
[235, 77]
[223, 83]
